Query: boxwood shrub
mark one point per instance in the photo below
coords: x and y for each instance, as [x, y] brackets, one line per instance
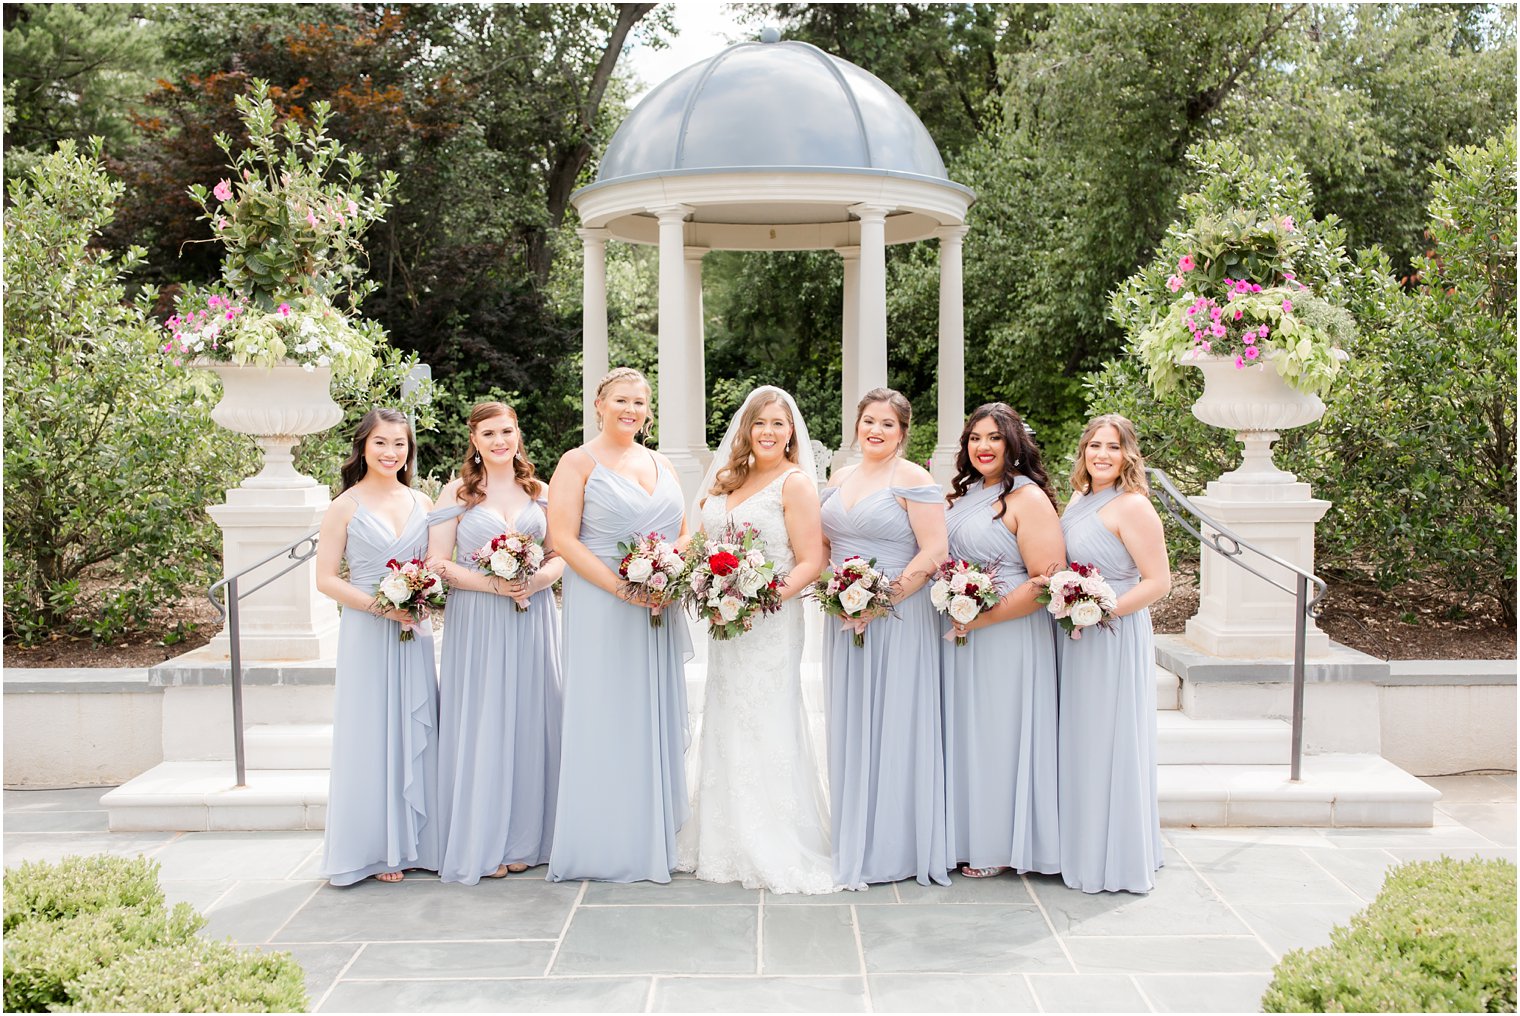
[1439, 937]
[93, 934]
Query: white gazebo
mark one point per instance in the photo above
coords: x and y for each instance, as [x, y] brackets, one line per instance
[773, 146]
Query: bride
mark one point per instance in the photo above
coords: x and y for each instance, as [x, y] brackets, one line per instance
[758, 812]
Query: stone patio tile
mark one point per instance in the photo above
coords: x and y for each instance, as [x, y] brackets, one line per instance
[1496, 821]
[669, 940]
[57, 822]
[540, 994]
[1446, 834]
[236, 855]
[54, 847]
[1181, 904]
[873, 896]
[1204, 992]
[689, 891]
[72, 799]
[1169, 954]
[953, 938]
[253, 911]
[951, 993]
[1459, 853]
[199, 893]
[1246, 835]
[322, 964]
[424, 908]
[1006, 888]
[311, 868]
[1472, 789]
[389, 960]
[759, 994]
[1265, 874]
[1362, 870]
[809, 940]
[1295, 925]
[1087, 993]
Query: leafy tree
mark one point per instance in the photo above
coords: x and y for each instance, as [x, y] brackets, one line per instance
[107, 475]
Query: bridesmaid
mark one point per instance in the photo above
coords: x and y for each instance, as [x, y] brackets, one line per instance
[622, 788]
[886, 765]
[382, 796]
[499, 688]
[1000, 687]
[1110, 823]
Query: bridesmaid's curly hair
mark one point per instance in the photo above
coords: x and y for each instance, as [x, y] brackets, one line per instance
[472, 472]
[1021, 456]
[1131, 473]
[354, 467]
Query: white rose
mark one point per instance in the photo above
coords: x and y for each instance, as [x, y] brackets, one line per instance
[728, 607]
[504, 564]
[395, 588]
[958, 582]
[749, 580]
[939, 595]
[855, 598]
[535, 554]
[1086, 613]
[754, 557]
[639, 569]
[964, 609]
[671, 561]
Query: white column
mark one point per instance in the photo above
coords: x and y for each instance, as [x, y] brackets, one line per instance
[849, 381]
[952, 354]
[696, 362]
[593, 323]
[873, 295]
[674, 351]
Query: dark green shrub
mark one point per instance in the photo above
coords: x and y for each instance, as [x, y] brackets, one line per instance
[1440, 937]
[194, 976]
[43, 958]
[79, 885]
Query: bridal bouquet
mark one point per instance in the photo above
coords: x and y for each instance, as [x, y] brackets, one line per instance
[651, 569]
[854, 592]
[731, 581]
[1079, 598]
[962, 590]
[410, 586]
[511, 556]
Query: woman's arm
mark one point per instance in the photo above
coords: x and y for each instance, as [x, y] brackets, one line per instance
[1041, 545]
[1144, 537]
[567, 498]
[332, 540]
[799, 506]
[928, 523]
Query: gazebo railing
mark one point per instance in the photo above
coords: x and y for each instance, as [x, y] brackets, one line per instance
[298, 552]
[1233, 548]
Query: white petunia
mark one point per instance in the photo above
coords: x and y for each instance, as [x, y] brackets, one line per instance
[964, 609]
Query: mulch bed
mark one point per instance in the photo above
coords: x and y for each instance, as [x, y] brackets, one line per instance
[1406, 623]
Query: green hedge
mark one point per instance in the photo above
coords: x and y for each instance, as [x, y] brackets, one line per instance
[93, 934]
[1440, 937]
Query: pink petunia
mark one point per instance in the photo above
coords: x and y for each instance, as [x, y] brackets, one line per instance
[311, 219]
[1239, 363]
[1287, 223]
[353, 209]
[1174, 282]
[223, 190]
[1287, 305]
[1217, 330]
[1252, 352]
[1185, 264]
[284, 309]
[1238, 313]
[1206, 346]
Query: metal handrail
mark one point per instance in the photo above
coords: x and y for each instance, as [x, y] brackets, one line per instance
[299, 552]
[1230, 546]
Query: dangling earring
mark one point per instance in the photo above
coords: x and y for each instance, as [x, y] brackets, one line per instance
[477, 457]
[1015, 463]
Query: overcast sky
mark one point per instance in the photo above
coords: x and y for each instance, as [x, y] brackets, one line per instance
[705, 28]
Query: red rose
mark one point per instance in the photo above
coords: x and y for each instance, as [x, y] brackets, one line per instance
[722, 563]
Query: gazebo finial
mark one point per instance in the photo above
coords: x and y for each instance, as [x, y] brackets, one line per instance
[770, 33]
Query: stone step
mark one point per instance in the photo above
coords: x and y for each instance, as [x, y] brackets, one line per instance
[1183, 740]
[1336, 791]
[1168, 689]
[288, 746]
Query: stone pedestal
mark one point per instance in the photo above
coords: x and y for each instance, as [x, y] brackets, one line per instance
[287, 619]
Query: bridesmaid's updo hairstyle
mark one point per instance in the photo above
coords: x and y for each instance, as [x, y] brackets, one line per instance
[619, 375]
[732, 476]
[1021, 456]
[901, 408]
[354, 467]
[1131, 474]
[472, 473]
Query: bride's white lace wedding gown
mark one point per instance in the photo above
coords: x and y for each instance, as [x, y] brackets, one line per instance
[758, 811]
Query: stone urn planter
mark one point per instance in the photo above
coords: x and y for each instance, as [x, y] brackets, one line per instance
[276, 406]
[1256, 403]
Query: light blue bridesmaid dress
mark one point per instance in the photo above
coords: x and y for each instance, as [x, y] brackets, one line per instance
[622, 785]
[1000, 711]
[383, 792]
[886, 763]
[1110, 823]
[499, 713]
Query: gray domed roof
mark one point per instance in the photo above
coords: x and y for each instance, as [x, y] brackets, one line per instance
[764, 105]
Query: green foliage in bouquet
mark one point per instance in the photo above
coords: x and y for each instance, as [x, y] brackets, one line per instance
[1439, 937]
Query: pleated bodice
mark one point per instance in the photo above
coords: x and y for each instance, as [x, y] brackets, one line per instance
[976, 536]
[877, 526]
[617, 507]
[1089, 541]
[372, 542]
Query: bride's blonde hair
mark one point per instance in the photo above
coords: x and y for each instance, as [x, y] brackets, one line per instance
[732, 476]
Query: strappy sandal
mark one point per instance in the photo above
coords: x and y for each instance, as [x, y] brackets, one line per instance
[389, 877]
[992, 872]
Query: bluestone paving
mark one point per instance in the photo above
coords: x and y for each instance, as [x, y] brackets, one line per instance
[1227, 905]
